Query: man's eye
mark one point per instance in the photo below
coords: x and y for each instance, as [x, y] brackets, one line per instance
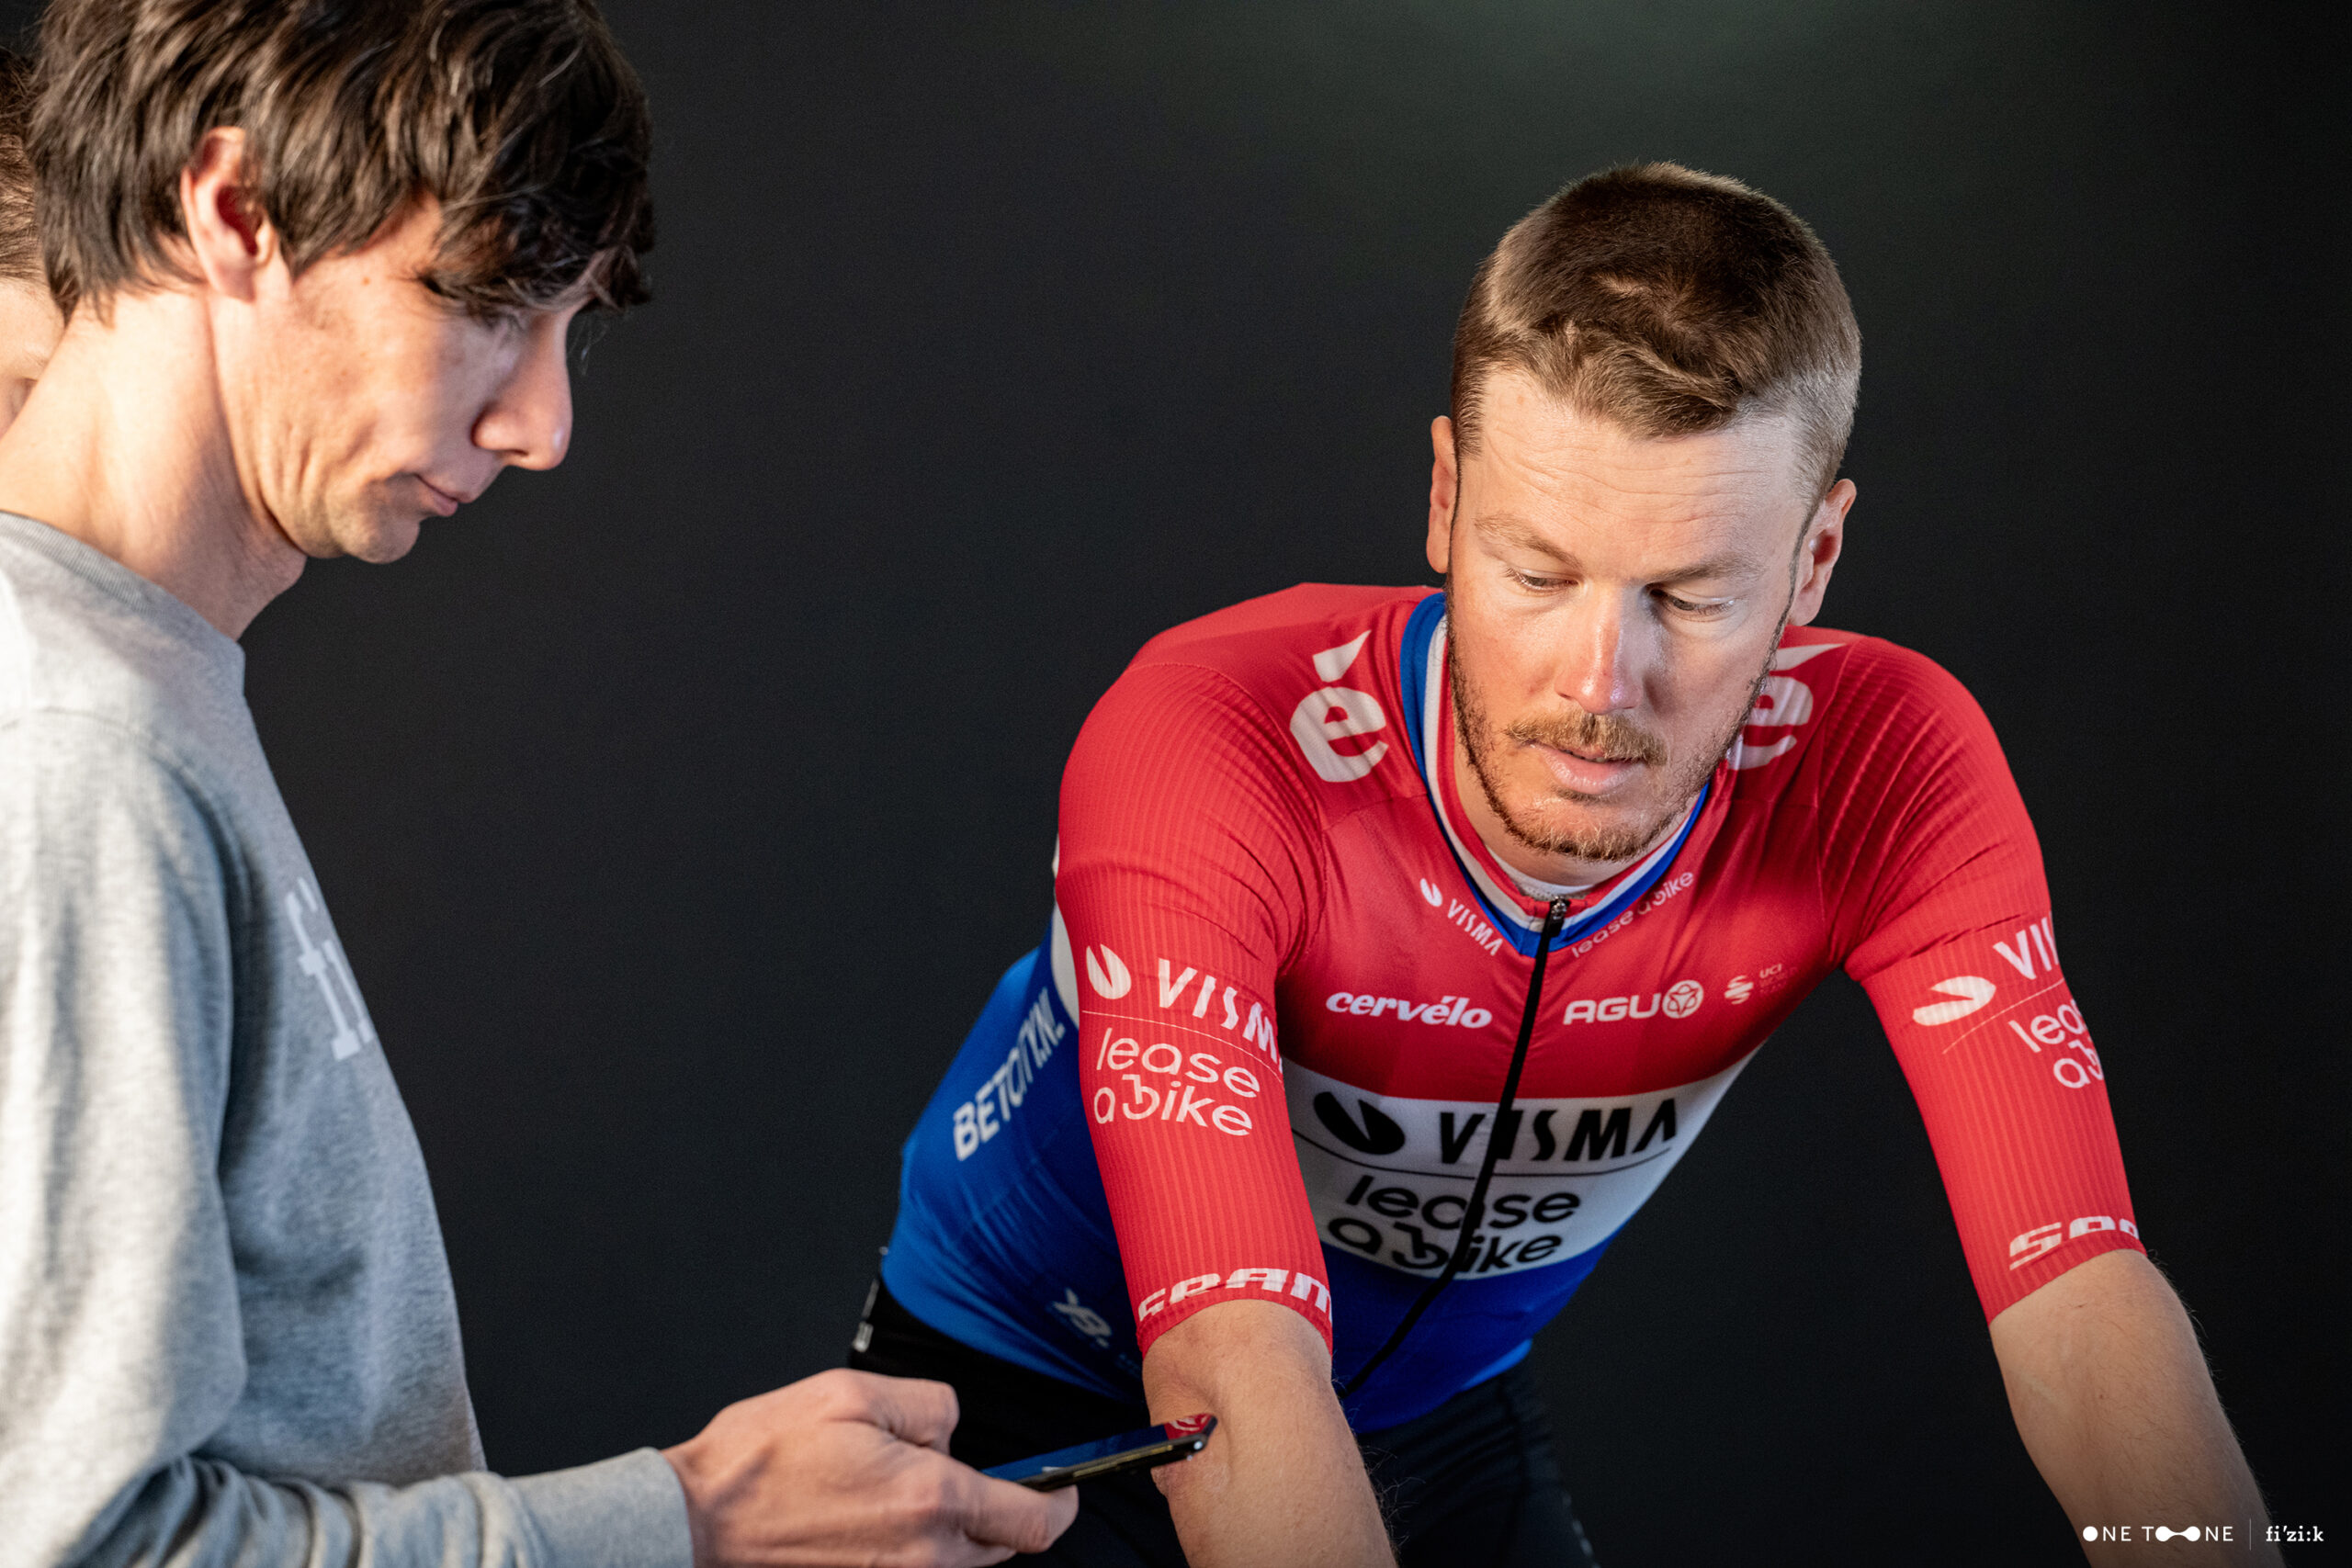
[1697, 609]
[1530, 582]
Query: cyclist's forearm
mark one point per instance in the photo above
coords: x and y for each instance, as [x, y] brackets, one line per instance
[1281, 1481]
[2115, 1404]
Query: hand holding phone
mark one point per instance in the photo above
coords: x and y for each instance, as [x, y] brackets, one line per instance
[1147, 1448]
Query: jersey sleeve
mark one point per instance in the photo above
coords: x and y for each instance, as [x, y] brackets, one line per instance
[1187, 867]
[1944, 917]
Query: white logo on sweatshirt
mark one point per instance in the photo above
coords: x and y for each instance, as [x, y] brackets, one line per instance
[322, 959]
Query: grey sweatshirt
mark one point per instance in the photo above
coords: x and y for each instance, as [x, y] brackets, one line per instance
[227, 1334]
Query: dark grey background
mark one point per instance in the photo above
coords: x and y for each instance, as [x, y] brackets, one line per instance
[679, 809]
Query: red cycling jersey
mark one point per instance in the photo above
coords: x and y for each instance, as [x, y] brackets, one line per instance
[1298, 973]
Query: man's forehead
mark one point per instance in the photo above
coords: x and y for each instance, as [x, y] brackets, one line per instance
[1543, 470]
[1524, 428]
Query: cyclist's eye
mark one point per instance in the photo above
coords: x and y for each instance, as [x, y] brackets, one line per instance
[1694, 609]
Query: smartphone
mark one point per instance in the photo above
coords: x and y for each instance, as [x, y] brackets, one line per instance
[1143, 1449]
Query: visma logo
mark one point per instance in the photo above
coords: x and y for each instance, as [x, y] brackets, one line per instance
[1973, 991]
[1430, 896]
[1110, 975]
[1378, 1136]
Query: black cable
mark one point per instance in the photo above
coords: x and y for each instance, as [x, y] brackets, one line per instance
[1477, 1212]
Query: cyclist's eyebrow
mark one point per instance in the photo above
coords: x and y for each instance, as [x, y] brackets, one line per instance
[1502, 528]
[1517, 533]
[1733, 565]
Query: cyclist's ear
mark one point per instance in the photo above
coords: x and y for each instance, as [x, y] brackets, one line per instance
[1445, 488]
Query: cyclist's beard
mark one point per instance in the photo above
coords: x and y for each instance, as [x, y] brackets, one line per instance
[1603, 736]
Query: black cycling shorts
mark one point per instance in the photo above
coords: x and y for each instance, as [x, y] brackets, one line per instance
[1473, 1483]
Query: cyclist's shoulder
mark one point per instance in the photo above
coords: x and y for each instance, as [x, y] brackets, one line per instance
[1248, 667]
[1840, 700]
[1266, 636]
[1292, 703]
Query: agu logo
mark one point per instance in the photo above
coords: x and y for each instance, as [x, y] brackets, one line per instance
[1679, 1000]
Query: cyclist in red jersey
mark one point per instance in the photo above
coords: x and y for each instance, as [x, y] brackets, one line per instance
[1403, 941]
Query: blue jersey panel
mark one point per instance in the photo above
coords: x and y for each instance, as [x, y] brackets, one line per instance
[1003, 1238]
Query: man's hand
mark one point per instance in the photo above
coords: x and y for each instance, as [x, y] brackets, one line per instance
[2114, 1403]
[850, 1468]
[1280, 1482]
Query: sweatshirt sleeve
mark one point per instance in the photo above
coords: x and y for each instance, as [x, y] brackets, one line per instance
[121, 1339]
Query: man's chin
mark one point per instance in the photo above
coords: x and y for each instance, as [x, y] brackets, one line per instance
[381, 540]
[1589, 831]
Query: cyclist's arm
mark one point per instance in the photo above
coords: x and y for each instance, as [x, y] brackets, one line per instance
[1188, 867]
[1289, 1486]
[1949, 928]
[2115, 1404]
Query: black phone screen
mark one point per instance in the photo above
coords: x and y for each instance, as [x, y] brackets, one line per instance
[1142, 1449]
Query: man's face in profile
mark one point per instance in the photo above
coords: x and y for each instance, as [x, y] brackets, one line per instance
[1613, 603]
[362, 402]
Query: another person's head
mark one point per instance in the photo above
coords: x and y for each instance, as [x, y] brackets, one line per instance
[375, 217]
[28, 320]
[1654, 379]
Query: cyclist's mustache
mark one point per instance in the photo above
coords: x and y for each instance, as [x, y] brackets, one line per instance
[1604, 737]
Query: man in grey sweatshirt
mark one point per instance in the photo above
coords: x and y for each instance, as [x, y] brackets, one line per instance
[318, 261]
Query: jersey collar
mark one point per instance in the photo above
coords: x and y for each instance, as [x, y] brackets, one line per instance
[1428, 723]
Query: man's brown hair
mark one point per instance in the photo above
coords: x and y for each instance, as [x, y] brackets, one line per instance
[519, 117]
[19, 239]
[1669, 302]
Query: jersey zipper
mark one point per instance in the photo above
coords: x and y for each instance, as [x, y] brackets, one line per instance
[1467, 1247]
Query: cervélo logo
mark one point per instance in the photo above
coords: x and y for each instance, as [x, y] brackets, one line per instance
[1330, 713]
[1448, 1011]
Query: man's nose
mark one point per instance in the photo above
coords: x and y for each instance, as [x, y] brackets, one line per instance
[529, 421]
[1598, 673]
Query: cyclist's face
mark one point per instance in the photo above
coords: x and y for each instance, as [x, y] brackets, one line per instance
[1613, 603]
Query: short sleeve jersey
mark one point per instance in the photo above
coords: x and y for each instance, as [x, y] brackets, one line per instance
[1259, 1054]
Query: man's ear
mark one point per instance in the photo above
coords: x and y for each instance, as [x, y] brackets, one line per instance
[1825, 541]
[230, 243]
[1445, 488]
